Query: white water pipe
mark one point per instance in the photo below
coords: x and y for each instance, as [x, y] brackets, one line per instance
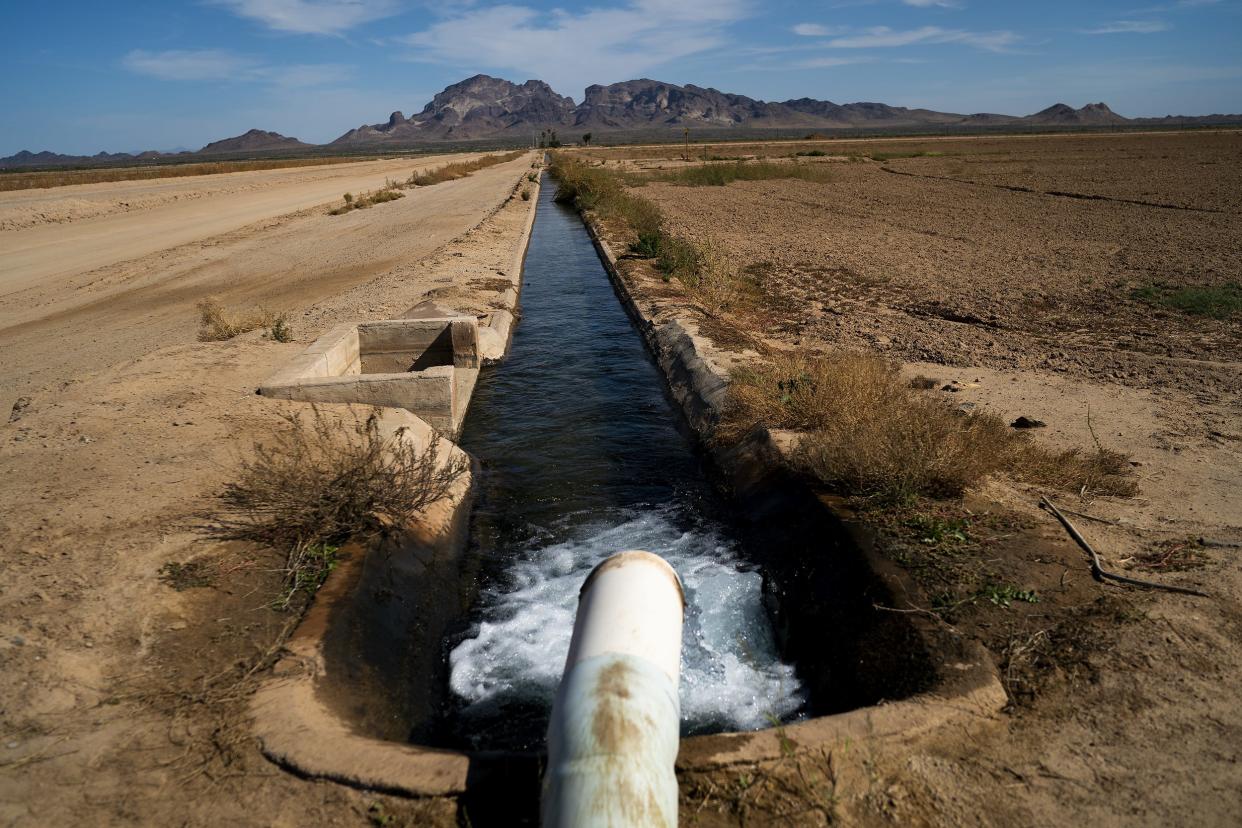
[613, 738]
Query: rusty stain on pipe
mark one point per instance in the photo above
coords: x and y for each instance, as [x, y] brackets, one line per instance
[613, 737]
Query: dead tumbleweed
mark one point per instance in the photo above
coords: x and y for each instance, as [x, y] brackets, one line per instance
[321, 483]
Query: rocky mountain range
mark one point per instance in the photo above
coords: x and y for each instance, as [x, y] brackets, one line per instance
[487, 107]
[484, 107]
[253, 141]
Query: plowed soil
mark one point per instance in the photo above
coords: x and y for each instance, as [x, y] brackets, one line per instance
[1030, 276]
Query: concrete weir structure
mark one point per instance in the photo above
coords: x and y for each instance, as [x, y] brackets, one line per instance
[427, 366]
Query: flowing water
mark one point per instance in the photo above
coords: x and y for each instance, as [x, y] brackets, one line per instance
[582, 456]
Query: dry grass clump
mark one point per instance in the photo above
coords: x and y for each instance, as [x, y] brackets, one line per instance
[322, 483]
[711, 275]
[391, 191]
[60, 178]
[216, 324]
[718, 175]
[1098, 472]
[869, 433]
[460, 169]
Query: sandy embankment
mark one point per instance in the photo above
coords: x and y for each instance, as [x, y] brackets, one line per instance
[119, 285]
[131, 428]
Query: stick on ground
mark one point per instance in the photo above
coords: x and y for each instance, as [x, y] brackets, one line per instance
[1099, 571]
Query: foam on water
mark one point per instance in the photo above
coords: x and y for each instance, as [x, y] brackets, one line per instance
[732, 677]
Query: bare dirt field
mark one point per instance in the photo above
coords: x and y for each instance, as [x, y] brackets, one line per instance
[1088, 282]
[129, 641]
[969, 277]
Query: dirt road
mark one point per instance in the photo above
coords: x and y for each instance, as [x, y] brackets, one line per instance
[57, 232]
[112, 287]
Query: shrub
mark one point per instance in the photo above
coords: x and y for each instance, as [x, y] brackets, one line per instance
[868, 433]
[648, 245]
[677, 258]
[279, 330]
[525, 195]
[711, 275]
[389, 192]
[381, 196]
[217, 324]
[460, 169]
[322, 483]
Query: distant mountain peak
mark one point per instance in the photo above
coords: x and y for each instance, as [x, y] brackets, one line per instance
[1060, 114]
[253, 140]
[478, 106]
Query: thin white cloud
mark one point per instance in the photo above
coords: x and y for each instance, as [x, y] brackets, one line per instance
[1129, 27]
[221, 65]
[570, 49]
[817, 30]
[884, 37]
[943, 4]
[189, 65]
[324, 17]
[1180, 6]
[829, 62]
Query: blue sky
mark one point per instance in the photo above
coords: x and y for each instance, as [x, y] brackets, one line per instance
[88, 76]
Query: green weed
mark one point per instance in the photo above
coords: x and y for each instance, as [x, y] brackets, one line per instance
[1003, 595]
[1215, 301]
[279, 330]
